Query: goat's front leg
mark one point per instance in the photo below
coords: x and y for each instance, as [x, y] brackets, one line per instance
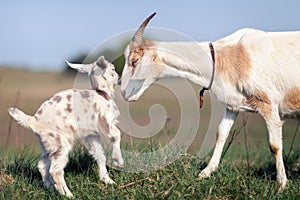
[223, 132]
[115, 138]
[95, 148]
[59, 160]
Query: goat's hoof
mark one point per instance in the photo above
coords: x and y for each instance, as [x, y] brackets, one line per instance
[282, 186]
[49, 185]
[118, 163]
[69, 195]
[107, 180]
[120, 166]
[203, 174]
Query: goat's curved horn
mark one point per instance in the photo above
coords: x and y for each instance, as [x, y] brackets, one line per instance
[137, 38]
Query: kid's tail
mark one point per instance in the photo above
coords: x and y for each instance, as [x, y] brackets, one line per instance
[23, 119]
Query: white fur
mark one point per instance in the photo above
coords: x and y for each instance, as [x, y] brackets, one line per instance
[76, 114]
[275, 69]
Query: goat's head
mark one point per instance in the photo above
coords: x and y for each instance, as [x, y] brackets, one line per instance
[142, 65]
[101, 73]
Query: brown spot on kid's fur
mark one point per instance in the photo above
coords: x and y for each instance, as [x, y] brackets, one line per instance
[69, 97]
[103, 124]
[39, 112]
[292, 98]
[57, 98]
[233, 63]
[95, 107]
[68, 108]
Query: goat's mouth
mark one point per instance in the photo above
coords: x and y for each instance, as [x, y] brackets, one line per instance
[132, 92]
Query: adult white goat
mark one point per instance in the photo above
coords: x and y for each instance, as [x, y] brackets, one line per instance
[255, 71]
[72, 115]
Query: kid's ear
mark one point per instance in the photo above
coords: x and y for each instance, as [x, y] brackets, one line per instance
[102, 63]
[83, 68]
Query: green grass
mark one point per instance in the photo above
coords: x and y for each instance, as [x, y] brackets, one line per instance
[20, 179]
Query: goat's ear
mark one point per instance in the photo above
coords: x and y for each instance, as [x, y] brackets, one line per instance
[83, 68]
[102, 63]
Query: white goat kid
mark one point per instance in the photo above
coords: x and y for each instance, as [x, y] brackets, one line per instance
[76, 114]
[255, 71]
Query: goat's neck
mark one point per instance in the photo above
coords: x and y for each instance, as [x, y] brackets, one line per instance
[190, 60]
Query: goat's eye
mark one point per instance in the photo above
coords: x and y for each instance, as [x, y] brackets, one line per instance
[134, 62]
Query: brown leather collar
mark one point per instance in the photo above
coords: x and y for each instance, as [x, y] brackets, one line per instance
[212, 52]
[103, 93]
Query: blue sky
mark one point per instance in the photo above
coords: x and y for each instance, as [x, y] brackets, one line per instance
[40, 35]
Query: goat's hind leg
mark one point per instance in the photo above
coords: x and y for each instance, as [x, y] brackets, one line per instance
[59, 160]
[274, 126]
[44, 166]
[95, 148]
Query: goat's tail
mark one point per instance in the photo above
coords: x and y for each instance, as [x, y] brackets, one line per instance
[23, 119]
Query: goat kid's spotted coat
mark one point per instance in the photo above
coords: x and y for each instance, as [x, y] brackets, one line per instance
[76, 114]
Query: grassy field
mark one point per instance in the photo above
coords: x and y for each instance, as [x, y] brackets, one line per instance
[20, 179]
[247, 170]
